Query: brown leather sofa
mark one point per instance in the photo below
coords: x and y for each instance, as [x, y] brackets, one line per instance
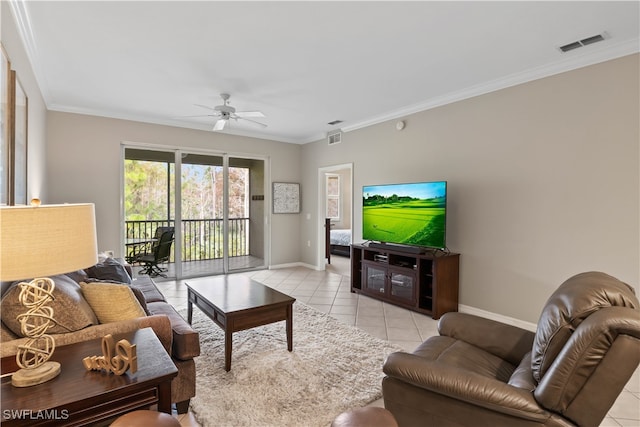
[181, 341]
[185, 343]
[479, 372]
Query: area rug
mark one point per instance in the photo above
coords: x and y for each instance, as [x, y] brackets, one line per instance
[333, 368]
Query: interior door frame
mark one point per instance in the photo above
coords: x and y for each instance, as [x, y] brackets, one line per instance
[320, 249]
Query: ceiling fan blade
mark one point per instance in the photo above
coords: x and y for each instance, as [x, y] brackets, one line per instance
[198, 115]
[205, 106]
[220, 124]
[252, 121]
[244, 114]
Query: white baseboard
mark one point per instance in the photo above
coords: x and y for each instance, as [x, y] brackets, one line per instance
[497, 317]
[293, 264]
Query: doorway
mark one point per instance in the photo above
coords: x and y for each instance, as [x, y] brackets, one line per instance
[335, 203]
[214, 202]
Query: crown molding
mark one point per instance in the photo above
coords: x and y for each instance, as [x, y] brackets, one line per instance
[570, 63]
[23, 23]
[168, 122]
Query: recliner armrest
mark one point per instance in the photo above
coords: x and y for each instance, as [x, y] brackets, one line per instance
[604, 339]
[464, 385]
[505, 341]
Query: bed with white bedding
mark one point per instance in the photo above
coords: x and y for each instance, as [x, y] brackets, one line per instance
[340, 237]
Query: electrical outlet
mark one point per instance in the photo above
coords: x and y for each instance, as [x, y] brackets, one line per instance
[309, 243]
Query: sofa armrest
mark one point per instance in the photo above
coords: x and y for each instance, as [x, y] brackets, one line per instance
[160, 325]
[186, 340]
[505, 341]
[464, 385]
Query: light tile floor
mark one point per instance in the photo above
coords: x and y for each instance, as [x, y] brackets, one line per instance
[328, 291]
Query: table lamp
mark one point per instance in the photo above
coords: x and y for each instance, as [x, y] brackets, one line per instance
[37, 241]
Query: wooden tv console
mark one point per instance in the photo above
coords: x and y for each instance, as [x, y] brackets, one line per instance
[424, 282]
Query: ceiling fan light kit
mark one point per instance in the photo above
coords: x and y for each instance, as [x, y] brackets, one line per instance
[220, 124]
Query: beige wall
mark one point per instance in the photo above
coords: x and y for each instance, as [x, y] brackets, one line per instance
[84, 165]
[543, 181]
[346, 193]
[543, 177]
[36, 131]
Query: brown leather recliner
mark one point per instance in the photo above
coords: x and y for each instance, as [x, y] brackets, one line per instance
[479, 372]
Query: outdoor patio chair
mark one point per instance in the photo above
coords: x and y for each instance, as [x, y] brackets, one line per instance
[159, 253]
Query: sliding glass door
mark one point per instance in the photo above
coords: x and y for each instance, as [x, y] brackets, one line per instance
[216, 203]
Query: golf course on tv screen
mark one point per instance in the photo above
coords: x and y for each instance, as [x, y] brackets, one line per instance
[411, 214]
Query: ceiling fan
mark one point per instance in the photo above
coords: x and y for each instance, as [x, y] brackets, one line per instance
[226, 112]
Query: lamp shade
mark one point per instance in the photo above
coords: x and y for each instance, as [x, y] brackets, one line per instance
[46, 240]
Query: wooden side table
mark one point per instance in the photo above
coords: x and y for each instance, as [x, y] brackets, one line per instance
[81, 397]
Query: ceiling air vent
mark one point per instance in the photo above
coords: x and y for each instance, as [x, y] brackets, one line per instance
[584, 42]
[334, 138]
[335, 122]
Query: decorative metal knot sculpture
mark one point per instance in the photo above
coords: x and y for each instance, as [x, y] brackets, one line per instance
[33, 356]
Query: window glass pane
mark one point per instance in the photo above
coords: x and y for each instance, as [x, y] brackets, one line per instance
[333, 208]
[145, 189]
[333, 185]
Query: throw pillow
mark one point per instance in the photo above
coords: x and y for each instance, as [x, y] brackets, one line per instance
[6, 334]
[78, 276]
[112, 302]
[137, 292]
[70, 310]
[109, 269]
[140, 297]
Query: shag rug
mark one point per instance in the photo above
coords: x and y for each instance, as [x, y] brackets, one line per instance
[333, 368]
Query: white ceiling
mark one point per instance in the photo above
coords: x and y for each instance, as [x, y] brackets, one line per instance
[304, 64]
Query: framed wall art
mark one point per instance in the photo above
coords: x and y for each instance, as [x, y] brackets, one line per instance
[286, 197]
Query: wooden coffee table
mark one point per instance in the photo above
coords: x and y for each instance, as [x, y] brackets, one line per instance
[81, 397]
[236, 303]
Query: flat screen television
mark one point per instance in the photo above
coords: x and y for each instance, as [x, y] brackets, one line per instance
[412, 214]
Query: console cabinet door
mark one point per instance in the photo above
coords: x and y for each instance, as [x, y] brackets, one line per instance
[375, 278]
[402, 285]
[394, 283]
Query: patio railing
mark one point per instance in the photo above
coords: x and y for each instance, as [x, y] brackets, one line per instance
[202, 239]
